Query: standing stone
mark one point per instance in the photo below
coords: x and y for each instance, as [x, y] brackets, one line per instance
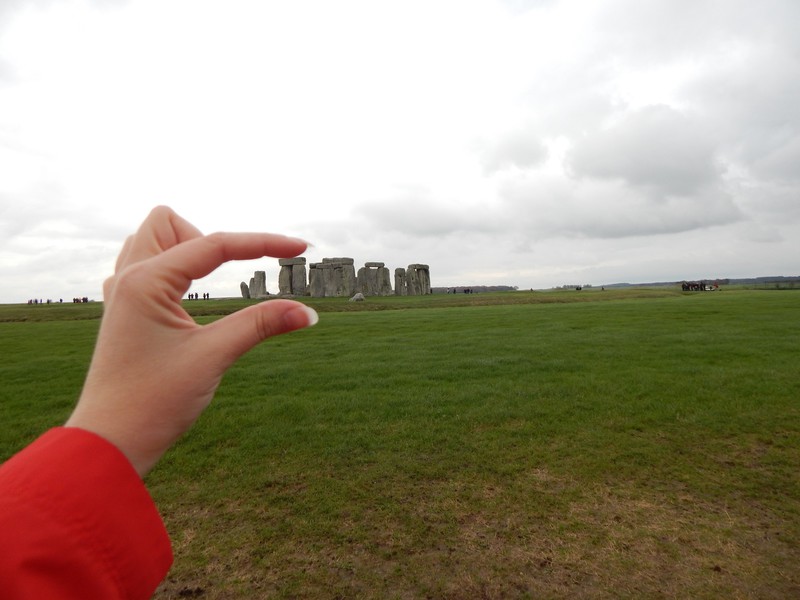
[330, 285]
[384, 283]
[373, 279]
[418, 280]
[285, 281]
[316, 283]
[364, 281]
[425, 278]
[342, 281]
[333, 277]
[400, 282]
[292, 277]
[348, 277]
[412, 281]
[258, 285]
[299, 279]
[245, 290]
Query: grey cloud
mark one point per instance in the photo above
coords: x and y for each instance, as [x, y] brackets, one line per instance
[518, 149]
[659, 30]
[781, 163]
[746, 57]
[415, 213]
[19, 215]
[655, 147]
[754, 106]
[610, 210]
[42, 212]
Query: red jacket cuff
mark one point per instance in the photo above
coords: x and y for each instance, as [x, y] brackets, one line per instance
[76, 517]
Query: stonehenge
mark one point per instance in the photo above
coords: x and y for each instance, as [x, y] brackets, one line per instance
[257, 289]
[337, 278]
[413, 281]
[373, 280]
[332, 278]
[400, 287]
[258, 285]
[292, 278]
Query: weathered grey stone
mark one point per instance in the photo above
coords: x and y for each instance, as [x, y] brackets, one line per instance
[384, 282]
[292, 276]
[348, 279]
[244, 289]
[418, 280]
[363, 281]
[413, 282]
[343, 260]
[299, 279]
[359, 297]
[400, 282]
[258, 285]
[373, 280]
[316, 283]
[333, 277]
[288, 262]
[285, 280]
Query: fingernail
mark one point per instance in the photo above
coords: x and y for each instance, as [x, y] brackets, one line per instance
[301, 240]
[313, 317]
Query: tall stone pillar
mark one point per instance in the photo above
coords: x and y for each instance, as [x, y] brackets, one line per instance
[418, 280]
[362, 286]
[400, 282]
[316, 280]
[285, 280]
[373, 280]
[329, 278]
[384, 283]
[299, 277]
[342, 277]
[333, 277]
[292, 277]
[258, 285]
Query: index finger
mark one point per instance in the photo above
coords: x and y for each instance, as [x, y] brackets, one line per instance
[200, 256]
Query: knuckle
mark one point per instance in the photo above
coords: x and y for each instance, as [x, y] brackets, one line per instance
[216, 241]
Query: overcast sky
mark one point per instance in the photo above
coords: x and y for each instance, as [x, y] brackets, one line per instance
[522, 142]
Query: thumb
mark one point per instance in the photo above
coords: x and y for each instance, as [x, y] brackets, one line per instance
[232, 336]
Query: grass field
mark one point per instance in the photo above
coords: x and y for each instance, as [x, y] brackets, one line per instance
[620, 444]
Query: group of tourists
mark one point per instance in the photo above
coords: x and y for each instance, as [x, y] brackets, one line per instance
[83, 300]
[196, 296]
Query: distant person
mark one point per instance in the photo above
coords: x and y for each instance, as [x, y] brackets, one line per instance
[75, 518]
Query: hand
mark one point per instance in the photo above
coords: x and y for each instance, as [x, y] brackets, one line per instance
[154, 369]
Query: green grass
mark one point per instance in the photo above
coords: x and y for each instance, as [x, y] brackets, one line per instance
[619, 444]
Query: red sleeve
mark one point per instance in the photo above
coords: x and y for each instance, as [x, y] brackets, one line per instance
[77, 522]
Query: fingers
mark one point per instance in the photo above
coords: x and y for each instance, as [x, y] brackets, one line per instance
[161, 230]
[202, 255]
[237, 333]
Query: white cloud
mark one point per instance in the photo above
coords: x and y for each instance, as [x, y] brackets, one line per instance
[656, 148]
[577, 137]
